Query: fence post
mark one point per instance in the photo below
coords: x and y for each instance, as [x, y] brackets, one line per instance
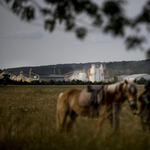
[115, 115]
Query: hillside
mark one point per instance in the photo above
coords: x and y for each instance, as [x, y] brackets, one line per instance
[114, 68]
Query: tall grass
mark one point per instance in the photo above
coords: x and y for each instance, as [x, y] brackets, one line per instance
[28, 122]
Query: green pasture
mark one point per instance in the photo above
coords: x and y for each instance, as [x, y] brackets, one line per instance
[28, 122]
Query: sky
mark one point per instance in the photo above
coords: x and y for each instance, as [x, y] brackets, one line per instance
[24, 44]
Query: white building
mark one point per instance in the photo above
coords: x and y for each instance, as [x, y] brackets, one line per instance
[78, 75]
[96, 73]
[74, 76]
[82, 76]
[137, 77]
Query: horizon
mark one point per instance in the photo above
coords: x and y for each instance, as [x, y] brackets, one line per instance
[73, 63]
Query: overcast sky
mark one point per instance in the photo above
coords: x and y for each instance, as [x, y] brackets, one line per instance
[23, 44]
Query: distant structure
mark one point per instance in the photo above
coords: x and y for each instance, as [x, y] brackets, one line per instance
[82, 76]
[54, 77]
[96, 73]
[22, 77]
[74, 75]
[36, 77]
[137, 77]
[32, 76]
[106, 75]
[78, 75]
[122, 77]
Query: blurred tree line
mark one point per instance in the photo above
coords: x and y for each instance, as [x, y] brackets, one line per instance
[114, 68]
[6, 80]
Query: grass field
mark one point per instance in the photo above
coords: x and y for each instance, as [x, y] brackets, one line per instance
[28, 122]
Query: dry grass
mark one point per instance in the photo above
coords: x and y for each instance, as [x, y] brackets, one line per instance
[28, 122]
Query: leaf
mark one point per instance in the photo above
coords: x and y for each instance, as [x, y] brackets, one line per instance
[144, 16]
[81, 32]
[69, 22]
[17, 7]
[116, 26]
[49, 24]
[97, 21]
[45, 11]
[112, 8]
[133, 42]
[8, 1]
[148, 54]
[28, 13]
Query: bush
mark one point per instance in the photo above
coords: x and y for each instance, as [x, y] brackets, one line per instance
[141, 81]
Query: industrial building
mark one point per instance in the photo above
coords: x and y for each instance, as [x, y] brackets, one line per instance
[36, 77]
[78, 75]
[32, 76]
[137, 77]
[21, 77]
[52, 77]
[121, 78]
[17, 77]
[96, 73]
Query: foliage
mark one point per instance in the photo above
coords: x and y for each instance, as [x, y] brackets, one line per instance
[6, 79]
[53, 82]
[73, 82]
[115, 79]
[109, 16]
[114, 68]
[142, 81]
